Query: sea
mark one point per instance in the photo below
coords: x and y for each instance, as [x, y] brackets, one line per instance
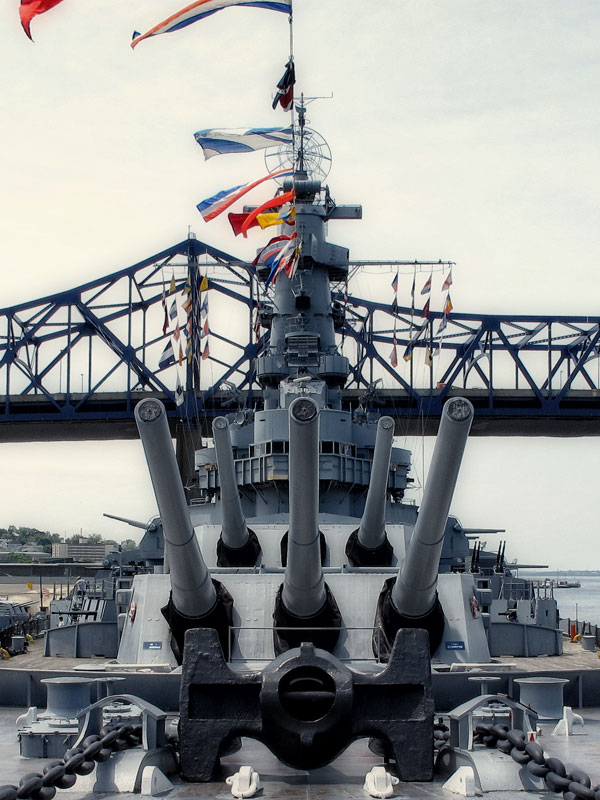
[582, 604]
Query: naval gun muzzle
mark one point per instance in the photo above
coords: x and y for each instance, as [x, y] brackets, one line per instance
[305, 609]
[410, 600]
[368, 546]
[196, 600]
[237, 546]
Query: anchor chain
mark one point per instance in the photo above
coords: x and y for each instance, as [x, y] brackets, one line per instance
[513, 742]
[82, 760]
[441, 736]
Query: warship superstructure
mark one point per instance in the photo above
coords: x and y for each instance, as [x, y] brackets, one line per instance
[290, 594]
[299, 578]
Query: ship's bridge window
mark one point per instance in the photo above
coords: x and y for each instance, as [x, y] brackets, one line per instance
[240, 452]
[279, 447]
[327, 447]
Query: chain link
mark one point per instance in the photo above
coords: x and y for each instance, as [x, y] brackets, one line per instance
[76, 761]
[441, 736]
[513, 742]
[82, 760]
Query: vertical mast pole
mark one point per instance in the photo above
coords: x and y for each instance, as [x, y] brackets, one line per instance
[290, 19]
[291, 23]
[193, 364]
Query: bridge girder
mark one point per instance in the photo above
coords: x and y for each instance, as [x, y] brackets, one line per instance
[73, 365]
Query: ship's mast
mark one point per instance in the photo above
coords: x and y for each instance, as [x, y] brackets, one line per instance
[301, 109]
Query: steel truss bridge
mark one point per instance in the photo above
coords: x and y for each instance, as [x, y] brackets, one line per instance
[81, 359]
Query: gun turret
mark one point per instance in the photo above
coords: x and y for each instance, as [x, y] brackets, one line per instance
[369, 546]
[196, 600]
[149, 552]
[410, 601]
[237, 546]
[304, 600]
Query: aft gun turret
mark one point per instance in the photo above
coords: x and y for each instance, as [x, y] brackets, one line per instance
[196, 601]
[304, 600]
[237, 545]
[369, 546]
[410, 600]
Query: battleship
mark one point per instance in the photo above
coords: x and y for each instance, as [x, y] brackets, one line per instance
[293, 623]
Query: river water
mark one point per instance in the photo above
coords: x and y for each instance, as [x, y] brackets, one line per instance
[582, 604]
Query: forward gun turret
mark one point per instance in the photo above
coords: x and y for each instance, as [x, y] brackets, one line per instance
[304, 600]
[196, 600]
[410, 600]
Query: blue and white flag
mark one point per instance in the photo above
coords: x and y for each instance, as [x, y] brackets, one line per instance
[215, 205]
[173, 309]
[179, 393]
[204, 8]
[168, 357]
[216, 142]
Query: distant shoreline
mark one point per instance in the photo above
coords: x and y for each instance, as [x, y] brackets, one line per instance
[554, 572]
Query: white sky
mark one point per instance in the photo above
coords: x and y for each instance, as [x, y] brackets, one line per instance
[468, 129]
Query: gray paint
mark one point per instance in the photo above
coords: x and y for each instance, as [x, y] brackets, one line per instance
[303, 585]
[371, 532]
[234, 530]
[413, 593]
[193, 591]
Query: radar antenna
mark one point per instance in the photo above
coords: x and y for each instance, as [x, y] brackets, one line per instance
[308, 153]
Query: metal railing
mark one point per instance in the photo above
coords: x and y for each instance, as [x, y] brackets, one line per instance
[234, 631]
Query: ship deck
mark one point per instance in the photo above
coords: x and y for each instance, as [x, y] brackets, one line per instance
[21, 676]
[574, 657]
[343, 779]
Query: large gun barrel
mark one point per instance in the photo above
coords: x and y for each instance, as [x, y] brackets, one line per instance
[147, 526]
[369, 545]
[304, 587]
[191, 585]
[238, 546]
[196, 600]
[415, 590]
[304, 599]
[412, 598]
[371, 532]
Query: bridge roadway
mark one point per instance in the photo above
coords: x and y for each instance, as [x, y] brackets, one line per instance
[109, 415]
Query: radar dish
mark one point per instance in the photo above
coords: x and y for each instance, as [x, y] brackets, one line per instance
[316, 156]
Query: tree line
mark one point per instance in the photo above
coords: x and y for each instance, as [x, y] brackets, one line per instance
[24, 536]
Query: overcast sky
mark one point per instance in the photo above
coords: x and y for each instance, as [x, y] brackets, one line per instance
[468, 130]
